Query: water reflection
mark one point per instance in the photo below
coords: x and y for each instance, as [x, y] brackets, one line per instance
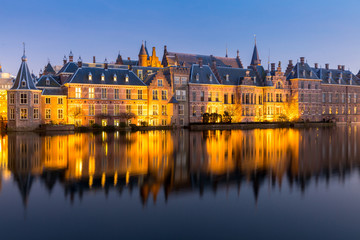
[177, 161]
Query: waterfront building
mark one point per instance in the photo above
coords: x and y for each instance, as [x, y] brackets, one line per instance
[6, 82]
[180, 90]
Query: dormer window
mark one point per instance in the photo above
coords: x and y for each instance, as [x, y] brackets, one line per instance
[102, 77]
[115, 78]
[247, 73]
[227, 77]
[210, 78]
[254, 79]
[304, 73]
[311, 73]
[23, 83]
[197, 77]
[126, 78]
[90, 76]
[47, 81]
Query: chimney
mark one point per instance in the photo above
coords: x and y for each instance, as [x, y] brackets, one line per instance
[343, 67]
[339, 67]
[273, 67]
[94, 60]
[302, 60]
[79, 62]
[279, 67]
[316, 65]
[129, 58]
[64, 60]
[71, 57]
[200, 62]
[327, 66]
[106, 66]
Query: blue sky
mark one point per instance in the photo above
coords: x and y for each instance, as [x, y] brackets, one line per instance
[323, 31]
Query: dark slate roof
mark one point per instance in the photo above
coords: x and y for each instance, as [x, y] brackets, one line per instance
[54, 91]
[130, 62]
[69, 67]
[204, 74]
[24, 75]
[149, 78]
[255, 60]
[173, 100]
[187, 60]
[302, 70]
[49, 69]
[52, 81]
[237, 75]
[82, 74]
[142, 50]
[332, 76]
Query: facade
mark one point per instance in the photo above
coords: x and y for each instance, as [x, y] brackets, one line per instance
[180, 90]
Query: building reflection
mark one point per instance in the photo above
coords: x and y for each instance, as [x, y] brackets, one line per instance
[177, 162]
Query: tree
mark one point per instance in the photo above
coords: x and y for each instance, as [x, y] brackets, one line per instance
[127, 116]
[75, 113]
[226, 117]
[291, 109]
[234, 111]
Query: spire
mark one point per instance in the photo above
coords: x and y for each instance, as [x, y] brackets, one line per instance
[23, 58]
[146, 50]
[226, 51]
[23, 79]
[142, 50]
[119, 59]
[255, 60]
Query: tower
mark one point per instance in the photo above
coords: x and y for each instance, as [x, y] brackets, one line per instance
[255, 60]
[143, 56]
[23, 101]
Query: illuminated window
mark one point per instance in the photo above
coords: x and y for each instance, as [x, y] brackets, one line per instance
[155, 110]
[128, 108]
[140, 96]
[140, 110]
[90, 76]
[181, 109]
[36, 98]
[116, 122]
[104, 122]
[164, 122]
[103, 93]
[126, 78]
[202, 96]
[128, 93]
[193, 111]
[160, 82]
[23, 113]
[91, 92]
[197, 77]
[115, 78]
[47, 100]
[23, 98]
[117, 110]
[47, 81]
[77, 92]
[163, 94]
[12, 98]
[36, 113]
[104, 109]
[102, 77]
[155, 94]
[47, 113]
[91, 109]
[12, 114]
[116, 94]
[60, 114]
[210, 96]
[227, 77]
[163, 110]
[217, 97]
[210, 78]
[140, 74]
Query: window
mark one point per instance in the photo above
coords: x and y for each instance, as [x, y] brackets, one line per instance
[302, 85]
[47, 113]
[91, 109]
[155, 94]
[349, 98]
[91, 92]
[163, 110]
[309, 86]
[115, 77]
[160, 82]
[140, 73]
[116, 93]
[12, 114]
[23, 83]
[116, 123]
[176, 80]
[116, 109]
[103, 93]
[36, 98]
[104, 109]
[128, 108]
[90, 76]
[227, 77]
[197, 77]
[330, 98]
[102, 77]
[23, 113]
[23, 98]
[301, 97]
[60, 100]
[278, 85]
[193, 111]
[202, 96]
[343, 98]
[77, 92]
[155, 110]
[47, 81]
[210, 96]
[202, 110]
[163, 122]
[354, 97]
[140, 96]
[140, 110]
[128, 93]
[163, 94]
[194, 96]
[12, 98]
[217, 97]
[126, 78]
[104, 122]
[324, 97]
[225, 98]
[181, 109]
[232, 99]
[36, 113]
[60, 114]
[183, 80]
[181, 95]
[47, 100]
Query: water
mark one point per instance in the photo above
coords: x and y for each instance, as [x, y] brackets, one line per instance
[258, 184]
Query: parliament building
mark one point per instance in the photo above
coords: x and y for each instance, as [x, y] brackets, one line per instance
[179, 90]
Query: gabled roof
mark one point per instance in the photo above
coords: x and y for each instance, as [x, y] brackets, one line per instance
[69, 67]
[23, 78]
[49, 69]
[237, 75]
[82, 76]
[52, 81]
[336, 76]
[302, 70]
[204, 73]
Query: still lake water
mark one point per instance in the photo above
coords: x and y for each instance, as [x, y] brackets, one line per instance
[256, 184]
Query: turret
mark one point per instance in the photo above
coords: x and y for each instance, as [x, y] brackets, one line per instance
[143, 56]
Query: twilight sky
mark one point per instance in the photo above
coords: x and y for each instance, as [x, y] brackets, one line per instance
[323, 31]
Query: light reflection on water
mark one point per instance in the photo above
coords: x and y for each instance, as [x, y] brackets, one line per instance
[158, 176]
